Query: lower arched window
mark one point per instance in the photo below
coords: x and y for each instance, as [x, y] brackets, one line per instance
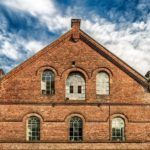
[33, 129]
[76, 129]
[118, 126]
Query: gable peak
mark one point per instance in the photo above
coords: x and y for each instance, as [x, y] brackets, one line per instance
[75, 24]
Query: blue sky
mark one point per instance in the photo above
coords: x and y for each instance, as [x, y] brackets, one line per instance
[122, 26]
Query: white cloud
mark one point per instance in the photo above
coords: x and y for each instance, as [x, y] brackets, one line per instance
[9, 50]
[34, 46]
[35, 7]
[44, 10]
[131, 42]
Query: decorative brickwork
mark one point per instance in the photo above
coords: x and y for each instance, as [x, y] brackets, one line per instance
[21, 97]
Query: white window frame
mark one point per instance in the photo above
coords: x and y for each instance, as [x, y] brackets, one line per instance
[48, 82]
[102, 83]
[77, 81]
[76, 129]
[117, 129]
[29, 129]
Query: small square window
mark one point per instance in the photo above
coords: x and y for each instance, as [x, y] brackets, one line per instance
[79, 89]
[71, 89]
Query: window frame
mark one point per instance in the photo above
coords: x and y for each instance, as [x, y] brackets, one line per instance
[120, 130]
[98, 83]
[52, 81]
[82, 133]
[27, 129]
[75, 95]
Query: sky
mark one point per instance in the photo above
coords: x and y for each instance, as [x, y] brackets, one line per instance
[122, 26]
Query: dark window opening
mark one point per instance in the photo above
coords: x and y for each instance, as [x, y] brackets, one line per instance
[71, 89]
[79, 89]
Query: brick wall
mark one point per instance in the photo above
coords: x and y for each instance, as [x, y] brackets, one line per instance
[20, 97]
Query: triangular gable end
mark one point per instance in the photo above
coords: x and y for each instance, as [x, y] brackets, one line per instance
[76, 33]
[38, 54]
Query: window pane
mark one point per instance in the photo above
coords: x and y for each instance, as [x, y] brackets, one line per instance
[71, 89]
[117, 129]
[47, 83]
[102, 83]
[75, 86]
[76, 129]
[79, 89]
[33, 129]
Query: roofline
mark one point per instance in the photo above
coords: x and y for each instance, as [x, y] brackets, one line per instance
[36, 55]
[95, 45]
[142, 80]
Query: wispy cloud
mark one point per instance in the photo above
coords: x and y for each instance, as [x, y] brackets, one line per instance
[122, 26]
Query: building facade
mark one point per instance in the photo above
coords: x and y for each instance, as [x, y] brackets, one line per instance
[74, 94]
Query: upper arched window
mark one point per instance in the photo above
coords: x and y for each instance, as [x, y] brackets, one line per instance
[102, 83]
[75, 86]
[48, 82]
[76, 129]
[33, 129]
[118, 126]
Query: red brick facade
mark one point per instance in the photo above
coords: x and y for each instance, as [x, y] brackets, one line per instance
[21, 97]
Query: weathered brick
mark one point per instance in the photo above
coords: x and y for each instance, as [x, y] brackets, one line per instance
[20, 96]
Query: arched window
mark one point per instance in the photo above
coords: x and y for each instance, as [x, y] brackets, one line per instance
[118, 129]
[102, 83]
[76, 129]
[75, 86]
[48, 82]
[33, 129]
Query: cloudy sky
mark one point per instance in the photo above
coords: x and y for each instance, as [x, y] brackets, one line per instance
[122, 26]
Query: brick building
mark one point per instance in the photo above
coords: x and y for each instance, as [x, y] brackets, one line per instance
[74, 94]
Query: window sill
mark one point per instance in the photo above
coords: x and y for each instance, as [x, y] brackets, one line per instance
[119, 141]
[38, 141]
[103, 97]
[75, 101]
[47, 95]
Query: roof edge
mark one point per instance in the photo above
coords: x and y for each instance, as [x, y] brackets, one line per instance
[113, 58]
[37, 55]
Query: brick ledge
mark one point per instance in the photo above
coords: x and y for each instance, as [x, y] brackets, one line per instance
[74, 146]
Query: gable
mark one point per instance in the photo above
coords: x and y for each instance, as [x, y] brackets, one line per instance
[113, 58]
[76, 34]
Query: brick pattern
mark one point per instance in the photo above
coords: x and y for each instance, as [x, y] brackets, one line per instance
[21, 97]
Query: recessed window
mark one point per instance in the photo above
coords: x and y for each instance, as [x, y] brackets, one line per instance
[79, 89]
[102, 83]
[118, 129]
[76, 129]
[33, 129]
[75, 86]
[48, 83]
[71, 89]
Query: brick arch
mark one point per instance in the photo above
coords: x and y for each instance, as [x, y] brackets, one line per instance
[67, 120]
[32, 114]
[124, 117]
[42, 68]
[102, 69]
[25, 119]
[66, 73]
